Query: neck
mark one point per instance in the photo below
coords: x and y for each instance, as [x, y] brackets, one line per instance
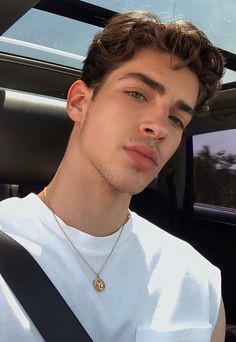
[99, 212]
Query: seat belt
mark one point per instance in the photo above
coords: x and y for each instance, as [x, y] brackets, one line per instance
[37, 294]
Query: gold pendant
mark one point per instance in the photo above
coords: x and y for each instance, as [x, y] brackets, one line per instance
[99, 284]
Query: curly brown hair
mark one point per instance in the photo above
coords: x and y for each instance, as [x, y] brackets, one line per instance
[128, 33]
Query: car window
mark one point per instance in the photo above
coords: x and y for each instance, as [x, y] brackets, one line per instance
[214, 161]
[59, 40]
[219, 25]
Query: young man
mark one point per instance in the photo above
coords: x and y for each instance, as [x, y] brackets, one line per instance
[125, 279]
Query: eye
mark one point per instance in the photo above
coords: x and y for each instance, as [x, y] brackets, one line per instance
[176, 121]
[136, 95]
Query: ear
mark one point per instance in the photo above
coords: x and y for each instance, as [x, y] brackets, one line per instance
[78, 100]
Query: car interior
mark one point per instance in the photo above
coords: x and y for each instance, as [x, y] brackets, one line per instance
[194, 196]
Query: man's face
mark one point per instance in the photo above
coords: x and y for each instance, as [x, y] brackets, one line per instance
[135, 122]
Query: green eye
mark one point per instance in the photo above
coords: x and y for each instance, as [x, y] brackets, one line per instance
[136, 95]
[176, 121]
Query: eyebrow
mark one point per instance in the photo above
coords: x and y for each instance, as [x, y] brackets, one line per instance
[158, 87]
[146, 80]
[185, 107]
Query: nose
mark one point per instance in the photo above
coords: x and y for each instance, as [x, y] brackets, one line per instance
[155, 130]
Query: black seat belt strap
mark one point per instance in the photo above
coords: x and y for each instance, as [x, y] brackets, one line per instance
[37, 294]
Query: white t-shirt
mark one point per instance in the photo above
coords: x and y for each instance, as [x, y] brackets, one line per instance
[158, 288]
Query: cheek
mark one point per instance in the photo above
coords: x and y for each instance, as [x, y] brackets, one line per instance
[98, 132]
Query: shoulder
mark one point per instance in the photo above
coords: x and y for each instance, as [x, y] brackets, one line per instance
[15, 203]
[16, 212]
[154, 236]
[176, 248]
[177, 262]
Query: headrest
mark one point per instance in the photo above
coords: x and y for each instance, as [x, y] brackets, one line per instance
[34, 131]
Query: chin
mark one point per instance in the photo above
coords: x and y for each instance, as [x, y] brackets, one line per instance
[131, 187]
[137, 191]
[129, 181]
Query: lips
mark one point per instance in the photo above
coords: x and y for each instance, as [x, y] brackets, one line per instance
[143, 156]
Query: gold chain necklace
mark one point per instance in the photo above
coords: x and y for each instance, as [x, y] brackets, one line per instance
[98, 283]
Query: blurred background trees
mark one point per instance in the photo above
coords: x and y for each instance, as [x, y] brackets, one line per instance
[215, 178]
